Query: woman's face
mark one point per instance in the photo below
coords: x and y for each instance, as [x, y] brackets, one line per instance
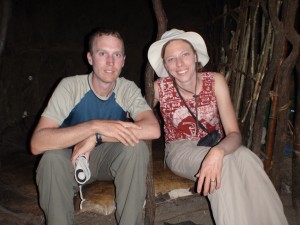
[179, 60]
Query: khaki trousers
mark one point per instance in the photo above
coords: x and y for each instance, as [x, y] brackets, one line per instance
[246, 197]
[126, 165]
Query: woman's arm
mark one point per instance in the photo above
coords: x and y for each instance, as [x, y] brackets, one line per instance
[211, 169]
[228, 118]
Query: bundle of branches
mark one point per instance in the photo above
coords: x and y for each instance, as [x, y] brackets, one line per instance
[263, 53]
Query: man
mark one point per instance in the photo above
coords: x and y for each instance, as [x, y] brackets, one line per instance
[85, 116]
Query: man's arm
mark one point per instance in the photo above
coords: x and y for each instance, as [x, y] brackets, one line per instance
[146, 127]
[149, 125]
[49, 136]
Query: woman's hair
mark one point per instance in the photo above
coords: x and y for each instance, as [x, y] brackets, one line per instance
[198, 64]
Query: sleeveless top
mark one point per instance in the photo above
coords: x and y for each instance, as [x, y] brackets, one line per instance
[178, 122]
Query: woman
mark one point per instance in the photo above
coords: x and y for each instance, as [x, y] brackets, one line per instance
[194, 104]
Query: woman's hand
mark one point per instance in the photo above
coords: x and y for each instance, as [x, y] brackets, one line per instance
[209, 175]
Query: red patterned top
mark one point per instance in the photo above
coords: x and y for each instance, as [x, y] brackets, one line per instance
[178, 122]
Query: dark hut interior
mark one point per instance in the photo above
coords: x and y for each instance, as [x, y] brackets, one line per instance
[255, 44]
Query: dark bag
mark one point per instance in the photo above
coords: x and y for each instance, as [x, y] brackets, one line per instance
[211, 139]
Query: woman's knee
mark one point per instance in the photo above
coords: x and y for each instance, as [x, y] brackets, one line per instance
[242, 158]
[245, 155]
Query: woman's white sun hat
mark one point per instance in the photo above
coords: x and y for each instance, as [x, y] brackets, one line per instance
[154, 52]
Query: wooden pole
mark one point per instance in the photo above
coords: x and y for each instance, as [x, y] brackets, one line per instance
[296, 153]
[268, 80]
[290, 55]
[149, 79]
[273, 114]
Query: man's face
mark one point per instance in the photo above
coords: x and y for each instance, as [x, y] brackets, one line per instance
[107, 58]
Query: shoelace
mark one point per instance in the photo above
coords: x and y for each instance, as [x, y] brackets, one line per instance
[82, 174]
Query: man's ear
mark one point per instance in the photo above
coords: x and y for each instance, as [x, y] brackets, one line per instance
[89, 58]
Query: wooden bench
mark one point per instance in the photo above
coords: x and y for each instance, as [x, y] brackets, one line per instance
[99, 196]
[174, 195]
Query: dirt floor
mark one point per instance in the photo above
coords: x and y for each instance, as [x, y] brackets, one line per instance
[19, 205]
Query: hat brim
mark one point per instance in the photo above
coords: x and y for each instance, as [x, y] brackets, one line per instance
[154, 52]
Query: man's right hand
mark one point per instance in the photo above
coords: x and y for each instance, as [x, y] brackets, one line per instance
[83, 148]
[119, 131]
